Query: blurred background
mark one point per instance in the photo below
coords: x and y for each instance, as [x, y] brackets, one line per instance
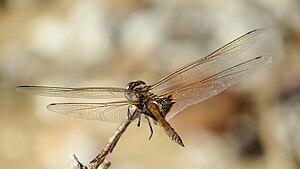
[76, 43]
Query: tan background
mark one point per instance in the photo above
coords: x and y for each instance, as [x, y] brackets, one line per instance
[253, 125]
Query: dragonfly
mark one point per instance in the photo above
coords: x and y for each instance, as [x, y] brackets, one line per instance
[159, 102]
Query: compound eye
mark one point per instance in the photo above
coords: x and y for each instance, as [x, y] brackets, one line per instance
[132, 88]
[130, 93]
[139, 82]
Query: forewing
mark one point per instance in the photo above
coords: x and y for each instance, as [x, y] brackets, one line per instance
[106, 112]
[208, 87]
[208, 65]
[90, 93]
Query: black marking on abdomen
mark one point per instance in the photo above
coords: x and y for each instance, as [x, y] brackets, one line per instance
[164, 104]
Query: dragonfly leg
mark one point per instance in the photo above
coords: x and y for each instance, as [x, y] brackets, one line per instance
[139, 121]
[151, 129]
[131, 114]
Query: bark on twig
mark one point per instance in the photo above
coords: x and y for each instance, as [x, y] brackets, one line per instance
[99, 161]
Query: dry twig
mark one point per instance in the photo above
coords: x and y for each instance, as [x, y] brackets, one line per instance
[99, 161]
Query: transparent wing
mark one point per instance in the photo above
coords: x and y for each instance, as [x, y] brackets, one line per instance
[208, 87]
[208, 65]
[90, 93]
[107, 112]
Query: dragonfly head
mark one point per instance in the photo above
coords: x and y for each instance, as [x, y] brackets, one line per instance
[134, 90]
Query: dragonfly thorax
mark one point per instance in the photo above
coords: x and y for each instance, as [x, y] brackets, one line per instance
[135, 90]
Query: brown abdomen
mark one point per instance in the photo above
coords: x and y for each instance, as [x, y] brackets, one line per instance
[153, 108]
